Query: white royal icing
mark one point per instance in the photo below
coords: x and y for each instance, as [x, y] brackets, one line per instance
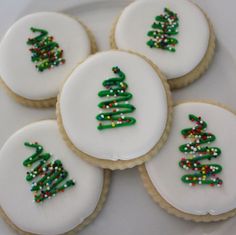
[136, 20]
[64, 211]
[166, 174]
[19, 72]
[79, 106]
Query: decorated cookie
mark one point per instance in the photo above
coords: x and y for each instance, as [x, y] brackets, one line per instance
[192, 176]
[39, 52]
[45, 188]
[115, 109]
[175, 35]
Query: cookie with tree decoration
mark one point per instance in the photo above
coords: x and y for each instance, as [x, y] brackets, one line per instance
[191, 177]
[48, 46]
[109, 100]
[177, 36]
[52, 191]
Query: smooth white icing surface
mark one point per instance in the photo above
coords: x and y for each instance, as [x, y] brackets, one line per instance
[79, 107]
[19, 72]
[64, 211]
[166, 174]
[136, 20]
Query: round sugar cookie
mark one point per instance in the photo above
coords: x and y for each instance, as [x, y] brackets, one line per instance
[64, 203]
[193, 175]
[175, 35]
[38, 52]
[115, 109]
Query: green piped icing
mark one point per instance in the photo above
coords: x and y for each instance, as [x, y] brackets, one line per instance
[117, 104]
[163, 30]
[197, 151]
[51, 176]
[45, 52]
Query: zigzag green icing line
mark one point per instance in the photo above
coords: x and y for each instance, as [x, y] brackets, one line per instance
[118, 105]
[163, 30]
[45, 52]
[198, 151]
[51, 175]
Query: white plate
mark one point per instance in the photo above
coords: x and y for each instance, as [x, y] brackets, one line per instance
[129, 210]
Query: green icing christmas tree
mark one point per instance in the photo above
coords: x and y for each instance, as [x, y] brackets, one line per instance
[197, 152]
[50, 178]
[117, 103]
[163, 31]
[45, 52]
